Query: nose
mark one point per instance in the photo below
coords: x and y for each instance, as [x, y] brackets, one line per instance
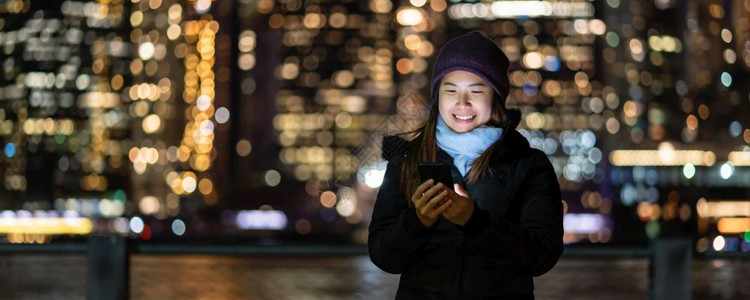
[463, 99]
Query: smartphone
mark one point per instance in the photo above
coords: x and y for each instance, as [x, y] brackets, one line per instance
[440, 172]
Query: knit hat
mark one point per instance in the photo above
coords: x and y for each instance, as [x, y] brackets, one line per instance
[475, 53]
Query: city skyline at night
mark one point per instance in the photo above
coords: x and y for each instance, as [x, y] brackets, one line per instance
[198, 119]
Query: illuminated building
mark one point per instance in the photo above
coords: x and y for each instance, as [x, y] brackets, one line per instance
[64, 121]
[680, 69]
[176, 107]
[180, 102]
[197, 118]
[336, 86]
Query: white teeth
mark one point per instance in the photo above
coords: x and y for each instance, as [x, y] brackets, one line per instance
[464, 117]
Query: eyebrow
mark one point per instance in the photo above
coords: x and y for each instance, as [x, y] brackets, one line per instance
[473, 84]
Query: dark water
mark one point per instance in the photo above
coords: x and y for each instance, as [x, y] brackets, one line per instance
[63, 276]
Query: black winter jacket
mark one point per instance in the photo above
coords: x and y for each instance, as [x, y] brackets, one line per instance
[514, 234]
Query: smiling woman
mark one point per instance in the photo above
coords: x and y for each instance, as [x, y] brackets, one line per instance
[501, 223]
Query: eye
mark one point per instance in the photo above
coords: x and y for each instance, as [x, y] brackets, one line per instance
[477, 92]
[450, 91]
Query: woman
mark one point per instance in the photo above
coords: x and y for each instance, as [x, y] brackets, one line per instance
[501, 223]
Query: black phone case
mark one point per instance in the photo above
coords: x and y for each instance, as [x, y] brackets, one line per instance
[440, 172]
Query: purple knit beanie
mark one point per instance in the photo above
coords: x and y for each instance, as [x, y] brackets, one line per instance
[475, 53]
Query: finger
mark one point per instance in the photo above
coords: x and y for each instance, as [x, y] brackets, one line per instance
[438, 199]
[447, 214]
[426, 211]
[452, 210]
[456, 197]
[442, 208]
[433, 190]
[430, 204]
[422, 188]
[460, 190]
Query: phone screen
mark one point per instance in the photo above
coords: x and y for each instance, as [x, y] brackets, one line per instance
[440, 172]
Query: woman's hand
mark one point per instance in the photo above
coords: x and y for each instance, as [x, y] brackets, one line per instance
[428, 201]
[462, 206]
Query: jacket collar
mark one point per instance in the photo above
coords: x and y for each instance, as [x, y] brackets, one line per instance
[512, 142]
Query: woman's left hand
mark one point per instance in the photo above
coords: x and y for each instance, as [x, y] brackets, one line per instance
[460, 210]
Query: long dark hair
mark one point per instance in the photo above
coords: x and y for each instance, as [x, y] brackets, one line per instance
[423, 147]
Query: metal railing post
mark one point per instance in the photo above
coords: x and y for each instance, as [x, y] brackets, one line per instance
[670, 269]
[108, 267]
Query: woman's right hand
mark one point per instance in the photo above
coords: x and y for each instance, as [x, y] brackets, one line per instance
[429, 201]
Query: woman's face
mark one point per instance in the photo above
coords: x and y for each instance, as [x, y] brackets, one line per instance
[464, 101]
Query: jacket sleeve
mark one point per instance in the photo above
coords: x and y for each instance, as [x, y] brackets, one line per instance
[395, 232]
[533, 246]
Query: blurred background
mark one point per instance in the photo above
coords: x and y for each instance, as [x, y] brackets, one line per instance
[187, 123]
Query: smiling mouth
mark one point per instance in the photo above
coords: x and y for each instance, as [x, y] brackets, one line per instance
[465, 118]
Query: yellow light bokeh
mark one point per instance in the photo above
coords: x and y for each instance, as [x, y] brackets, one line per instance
[151, 123]
[189, 184]
[328, 199]
[733, 225]
[739, 158]
[412, 42]
[205, 186]
[653, 158]
[409, 16]
[46, 226]
[533, 60]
